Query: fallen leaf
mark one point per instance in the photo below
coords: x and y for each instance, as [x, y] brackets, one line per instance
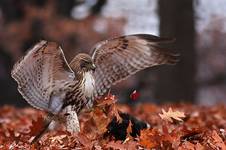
[190, 146]
[129, 128]
[58, 138]
[171, 115]
[100, 119]
[108, 100]
[214, 141]
[37, 126]
[13, 136]
[128, 131]
[115, 145]
[113, 112]
[149, 138]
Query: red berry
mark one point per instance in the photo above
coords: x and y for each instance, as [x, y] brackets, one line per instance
[135, 95]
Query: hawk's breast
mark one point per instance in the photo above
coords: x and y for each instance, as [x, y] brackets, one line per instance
[88, 84]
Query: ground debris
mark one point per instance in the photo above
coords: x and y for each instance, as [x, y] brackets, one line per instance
[171, 115]
[126, 128]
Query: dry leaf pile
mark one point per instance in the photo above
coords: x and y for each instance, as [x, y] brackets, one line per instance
[170, 127]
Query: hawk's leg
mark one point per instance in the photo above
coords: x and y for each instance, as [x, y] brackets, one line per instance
[53, 125]
[89, 105]
[72, 122]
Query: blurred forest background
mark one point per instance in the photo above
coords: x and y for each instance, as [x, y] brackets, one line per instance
[198, 25]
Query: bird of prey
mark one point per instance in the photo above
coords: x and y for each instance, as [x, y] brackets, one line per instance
[49, 83]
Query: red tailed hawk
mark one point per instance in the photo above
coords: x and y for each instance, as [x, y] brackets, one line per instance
[48, 82]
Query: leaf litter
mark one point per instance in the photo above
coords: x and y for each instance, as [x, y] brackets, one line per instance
[121, 127]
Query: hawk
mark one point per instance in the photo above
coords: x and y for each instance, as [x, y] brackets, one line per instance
[49, 83]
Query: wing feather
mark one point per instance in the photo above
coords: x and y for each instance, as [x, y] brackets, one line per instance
[117, 59]
[40, 72]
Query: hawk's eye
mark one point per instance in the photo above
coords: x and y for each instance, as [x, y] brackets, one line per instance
[84, 64]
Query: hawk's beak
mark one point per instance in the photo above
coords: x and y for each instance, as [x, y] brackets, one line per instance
[93, 67]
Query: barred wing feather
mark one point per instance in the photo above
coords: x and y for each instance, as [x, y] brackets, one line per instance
[119, 58]
[39, 71]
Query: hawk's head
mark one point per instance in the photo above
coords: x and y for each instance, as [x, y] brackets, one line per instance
[82, 63]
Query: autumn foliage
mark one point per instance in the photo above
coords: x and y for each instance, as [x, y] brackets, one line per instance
[145, 126]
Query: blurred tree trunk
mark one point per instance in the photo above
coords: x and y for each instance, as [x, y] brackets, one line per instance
[177, 83]
[64, 7]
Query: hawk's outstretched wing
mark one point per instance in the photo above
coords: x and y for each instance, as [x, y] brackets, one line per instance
[119, 58]
[39, 71]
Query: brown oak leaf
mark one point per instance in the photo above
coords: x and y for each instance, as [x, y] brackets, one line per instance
[37, 126]
[171, 115]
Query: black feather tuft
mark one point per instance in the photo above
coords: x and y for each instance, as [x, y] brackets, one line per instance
[119, 130]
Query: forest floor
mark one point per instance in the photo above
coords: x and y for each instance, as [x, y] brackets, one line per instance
[107, 127]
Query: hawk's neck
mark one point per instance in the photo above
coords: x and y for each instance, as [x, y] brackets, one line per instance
[88, 84]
